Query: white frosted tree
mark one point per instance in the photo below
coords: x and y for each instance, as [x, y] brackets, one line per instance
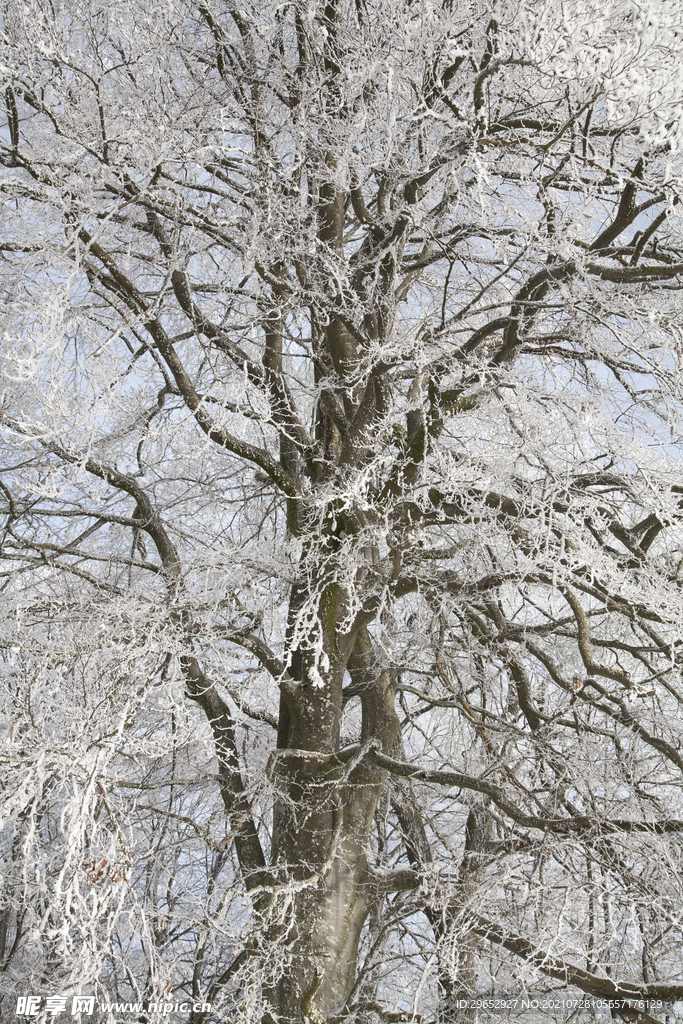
[341, 549]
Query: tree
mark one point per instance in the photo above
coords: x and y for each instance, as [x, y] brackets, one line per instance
[342, 515]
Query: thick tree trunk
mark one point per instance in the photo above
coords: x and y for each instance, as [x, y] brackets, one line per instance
[325, 811]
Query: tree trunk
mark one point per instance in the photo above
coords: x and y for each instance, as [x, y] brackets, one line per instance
[325, 810]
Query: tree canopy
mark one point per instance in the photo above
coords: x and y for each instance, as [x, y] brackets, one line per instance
[341, 565]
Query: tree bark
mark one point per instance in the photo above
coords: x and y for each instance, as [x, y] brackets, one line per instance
[322, 827]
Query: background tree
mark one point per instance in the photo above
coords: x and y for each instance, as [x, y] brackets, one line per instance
[341, 551]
